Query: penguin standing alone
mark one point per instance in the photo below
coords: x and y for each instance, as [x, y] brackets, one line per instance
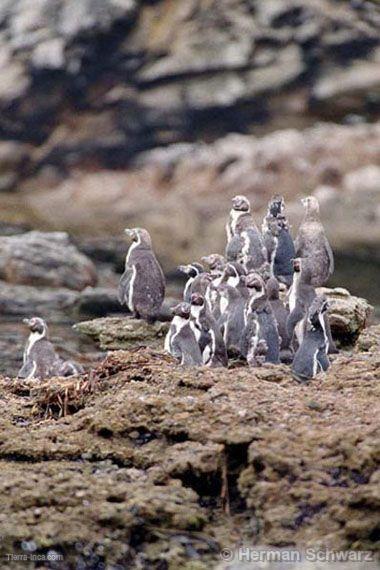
[142, 285]
[311, 357]
[40, 359]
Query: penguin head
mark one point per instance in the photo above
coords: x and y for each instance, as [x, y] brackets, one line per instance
[297, 265]
[241, 204]
[276, 205]
[197, 300]
[192, 269]
[255, 283]
[311, 205]
[35, 324]
[274, 227]
[214, 261]
[139, 235]
[317, 308]
[181, 310]
[273, 289]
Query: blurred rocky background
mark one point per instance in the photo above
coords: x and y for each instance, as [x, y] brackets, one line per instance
[116, 113]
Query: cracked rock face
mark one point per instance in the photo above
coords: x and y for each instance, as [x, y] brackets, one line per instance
[152, 460]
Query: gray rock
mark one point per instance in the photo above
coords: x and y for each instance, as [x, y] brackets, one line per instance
[114, 333]
[44, 259]
[348, 315]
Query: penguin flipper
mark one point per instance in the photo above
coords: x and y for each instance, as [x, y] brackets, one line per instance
[330, 256]
[123, 288]
[26, 370]
[295, 316]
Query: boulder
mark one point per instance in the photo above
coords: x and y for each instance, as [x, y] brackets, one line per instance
[114, 333]
[45, 259]
[348, 315]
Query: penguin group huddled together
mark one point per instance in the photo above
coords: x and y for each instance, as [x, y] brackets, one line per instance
[257, 303]
[233, 304]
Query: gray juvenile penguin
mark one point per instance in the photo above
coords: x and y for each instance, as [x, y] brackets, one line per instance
[260, 322]
[311, 357]
[208, 335]
[312, 242]
[280, 248]
[231, 321]
[300, 296]
[243, 237]
[280, 312]
[142, 285]
[40, 359]
[193, 271]
[180, 341]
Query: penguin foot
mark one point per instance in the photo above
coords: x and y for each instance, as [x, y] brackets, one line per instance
[301, 379]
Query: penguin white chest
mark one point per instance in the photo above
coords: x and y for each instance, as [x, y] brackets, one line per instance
[33, 338]
[293, 293]
[131, 287]
[235, 215]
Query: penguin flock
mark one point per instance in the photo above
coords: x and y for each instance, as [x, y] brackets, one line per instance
[257, 302]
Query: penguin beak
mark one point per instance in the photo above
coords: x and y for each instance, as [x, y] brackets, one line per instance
[130, 233]
[184, 268]
[25, 321]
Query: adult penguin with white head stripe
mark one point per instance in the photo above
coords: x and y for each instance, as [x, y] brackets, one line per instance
[142, 285]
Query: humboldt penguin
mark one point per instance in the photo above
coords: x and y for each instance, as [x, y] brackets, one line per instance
[193, 271]
[260, 322]
[311, 357]
[280, 249]
[180, 341]
[276, 207]
[243, 237]
[300, 296]
[312, 242]
[281, 315]
[40, 359]
[259, 354]
[231, 321]
[210, 340]
[142, 285]
[216, 264]
[214, 261]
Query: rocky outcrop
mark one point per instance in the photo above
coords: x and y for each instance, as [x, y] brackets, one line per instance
[143, 459]
[348, 317]
[114, 333]
[43, 259]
